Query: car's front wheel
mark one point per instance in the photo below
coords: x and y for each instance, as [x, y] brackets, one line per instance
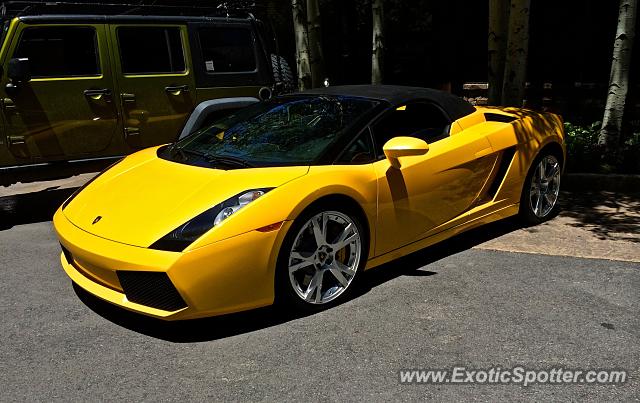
[321, 259]
[539, 199]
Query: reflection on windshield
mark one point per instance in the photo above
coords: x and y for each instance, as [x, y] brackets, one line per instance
[293, 130]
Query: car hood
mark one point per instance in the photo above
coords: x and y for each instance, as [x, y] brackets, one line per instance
[143, 197]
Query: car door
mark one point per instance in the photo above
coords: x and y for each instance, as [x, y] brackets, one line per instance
[65, 110]
[155, 81]
[429, 190]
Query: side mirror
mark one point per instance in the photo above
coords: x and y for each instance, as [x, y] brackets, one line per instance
[18, 70]
[403, 147]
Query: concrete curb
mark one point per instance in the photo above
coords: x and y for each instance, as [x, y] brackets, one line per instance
[597, 182]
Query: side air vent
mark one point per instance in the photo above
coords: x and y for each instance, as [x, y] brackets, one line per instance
[153, 289]
[505, 161]
[496, 117]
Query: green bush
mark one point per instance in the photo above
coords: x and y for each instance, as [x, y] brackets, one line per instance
[583, 152]
[585, 155]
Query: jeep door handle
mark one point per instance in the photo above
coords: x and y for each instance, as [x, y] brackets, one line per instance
[97, 94]
[176, 89]
[131, 131]
[128, 98]
[7, 103]
[16, 140]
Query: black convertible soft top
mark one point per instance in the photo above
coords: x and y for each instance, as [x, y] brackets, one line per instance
[454, 106]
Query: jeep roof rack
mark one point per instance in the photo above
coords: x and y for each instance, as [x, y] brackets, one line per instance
[235, 8]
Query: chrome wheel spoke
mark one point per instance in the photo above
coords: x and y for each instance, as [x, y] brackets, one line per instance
[541, 172]
[339, 276]
[551, 199]
[538, 203]
[555, 170]
[301, 265]
[318, 232]
[344, 268]
[314, 291]
[342, 244]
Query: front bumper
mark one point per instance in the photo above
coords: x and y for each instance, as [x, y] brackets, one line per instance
[231, 275]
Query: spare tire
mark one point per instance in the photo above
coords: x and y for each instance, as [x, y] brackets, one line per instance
[284, 81]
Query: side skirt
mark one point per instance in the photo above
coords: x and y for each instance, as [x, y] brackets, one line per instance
[500, 214]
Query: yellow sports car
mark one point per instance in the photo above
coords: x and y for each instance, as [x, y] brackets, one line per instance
[289, 200]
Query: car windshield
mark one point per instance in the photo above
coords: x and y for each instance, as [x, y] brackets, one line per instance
[285, 131]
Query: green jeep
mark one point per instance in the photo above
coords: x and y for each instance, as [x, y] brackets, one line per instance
[86, 87]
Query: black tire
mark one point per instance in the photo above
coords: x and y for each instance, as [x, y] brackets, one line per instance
[286, 296]
[282, 74]
[527, 211]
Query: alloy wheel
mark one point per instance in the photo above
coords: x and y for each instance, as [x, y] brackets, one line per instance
[324, 258]
[545, 186]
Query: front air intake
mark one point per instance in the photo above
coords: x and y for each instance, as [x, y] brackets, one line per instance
[152, 289]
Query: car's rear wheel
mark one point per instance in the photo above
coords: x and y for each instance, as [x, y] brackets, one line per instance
[539, 200]
[321, 259]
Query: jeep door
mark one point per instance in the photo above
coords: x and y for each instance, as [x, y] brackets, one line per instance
[155, 81]
[65, 110]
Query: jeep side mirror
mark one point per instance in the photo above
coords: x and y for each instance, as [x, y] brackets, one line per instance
[18, 70]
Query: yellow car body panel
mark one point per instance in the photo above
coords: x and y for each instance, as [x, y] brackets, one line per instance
[163, 194]
[454, 186]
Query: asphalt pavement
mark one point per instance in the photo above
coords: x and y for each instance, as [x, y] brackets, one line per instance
[466, 302]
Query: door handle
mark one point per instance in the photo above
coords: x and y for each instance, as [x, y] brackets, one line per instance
[97, 94]
[131, 131]
[7, 103]
[176, 89]
[16, 140]
[128, 97]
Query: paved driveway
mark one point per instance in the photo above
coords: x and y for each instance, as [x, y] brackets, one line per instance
[471, 301]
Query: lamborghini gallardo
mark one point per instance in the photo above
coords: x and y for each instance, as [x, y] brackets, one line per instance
[290, 200]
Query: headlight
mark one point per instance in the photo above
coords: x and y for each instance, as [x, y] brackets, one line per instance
[183, 236]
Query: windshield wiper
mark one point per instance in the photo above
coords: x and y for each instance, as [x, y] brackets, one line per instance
[227, 160]
[214, 159]
[174, 150]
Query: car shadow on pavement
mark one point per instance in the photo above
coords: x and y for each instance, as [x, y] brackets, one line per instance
[27, 208]
[219, 327]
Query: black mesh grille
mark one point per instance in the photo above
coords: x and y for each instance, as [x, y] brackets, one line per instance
[151, 289]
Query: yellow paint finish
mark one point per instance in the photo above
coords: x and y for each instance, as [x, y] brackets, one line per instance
[429, 189]
[430, 197]
[164, 195]
[239, 277]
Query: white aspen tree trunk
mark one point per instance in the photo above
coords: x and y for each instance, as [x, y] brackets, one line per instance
[315, 43]
[619, 78]
[515, 72]
[497, 46]
[377, 56]
[302, 45]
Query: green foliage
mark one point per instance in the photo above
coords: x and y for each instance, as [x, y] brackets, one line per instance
[585, 155]
[633, 140]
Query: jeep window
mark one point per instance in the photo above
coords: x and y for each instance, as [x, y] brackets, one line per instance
[151, 50]
[60, 51]
[5, 30]
[227, 50]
